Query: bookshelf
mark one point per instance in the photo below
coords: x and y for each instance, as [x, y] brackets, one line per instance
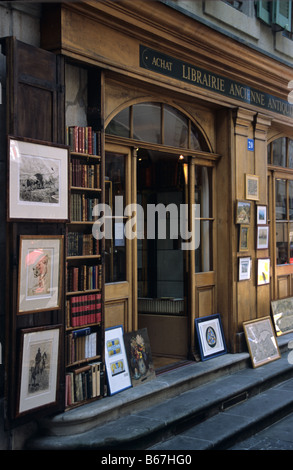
[84, 368]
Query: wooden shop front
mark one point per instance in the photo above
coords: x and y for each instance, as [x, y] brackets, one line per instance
[186, 118]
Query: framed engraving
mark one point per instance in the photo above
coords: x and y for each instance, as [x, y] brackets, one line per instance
[210, 336]
[243, 212]
[261, 341]
[39, 368]
[243, 237]
[262, 237]
[38, 180]
[40, 273]
[244, 268]
[261, 214]
[252, 187]
[282, 312]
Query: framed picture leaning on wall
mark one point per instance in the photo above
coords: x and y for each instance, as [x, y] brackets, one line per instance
[210, 336]
[38, 180]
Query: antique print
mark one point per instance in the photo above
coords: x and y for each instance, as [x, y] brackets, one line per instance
[139, 356]
[210, 336]
[116, 360]
[261, 215]
[261, 341]
[39, 368]
[252, 191]
[243, 209]
[40, 273]
[38, 180]
[262, 241]
[243, 237]
[244, 268]
[282, 311]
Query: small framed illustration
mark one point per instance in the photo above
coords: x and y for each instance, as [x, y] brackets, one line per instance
[40, 273]
[261, 214]
[282, 312]
[38, 180]
[244, 270]
[261, 341]
[262, 237]
[263, 271]
[138, 351]
[243, 237]
[252, 187]
[39, 368]
[210, 336]
[243, 212]
[116, 360]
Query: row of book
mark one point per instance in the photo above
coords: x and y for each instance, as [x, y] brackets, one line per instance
[81, 345]
[82, 244]
[83, 309]
[81, 207]
[84, 277]
[83, 139]
[84, 383]
[84, 175]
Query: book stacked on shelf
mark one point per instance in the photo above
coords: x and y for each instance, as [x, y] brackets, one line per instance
[83, 309]
[81, 207]
[84, 175]
[81, 345]
[82, 244]
[84, 277]
[83, 139]
[84, 383]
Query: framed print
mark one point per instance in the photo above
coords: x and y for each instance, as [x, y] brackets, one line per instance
[116, 360]
[138, 351]
[244, 268]
[38, 180]
[261, 341]
[243, 237]
[252, 187]
[210, 336]
[40, 273]
[262, 237]
[263, 271]
[261, 215]
[243, 212]
[282, 312]
[39, 368]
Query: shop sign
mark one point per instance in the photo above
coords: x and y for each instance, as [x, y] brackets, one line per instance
[188, 73]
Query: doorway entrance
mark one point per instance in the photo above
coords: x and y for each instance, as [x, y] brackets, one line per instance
[162, 192]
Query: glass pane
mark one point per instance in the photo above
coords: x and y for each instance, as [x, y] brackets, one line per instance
[281, 210]
[203, 254]
[115, 247]
[197, 141]
[147, 122]
[175, 128]
[120, 124]
[279, 152]
[290, 153]
[202, 190]
[282, 243]
[290, 183]
[269, 153]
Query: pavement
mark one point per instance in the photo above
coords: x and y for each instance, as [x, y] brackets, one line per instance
[212, 405]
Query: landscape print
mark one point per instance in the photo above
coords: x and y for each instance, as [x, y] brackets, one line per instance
[39, 180]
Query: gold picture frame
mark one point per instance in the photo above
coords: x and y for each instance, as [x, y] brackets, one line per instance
[252, 187]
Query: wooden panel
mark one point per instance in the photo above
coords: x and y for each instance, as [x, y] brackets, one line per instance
[116, 314]
[283, 286]
[206, 301]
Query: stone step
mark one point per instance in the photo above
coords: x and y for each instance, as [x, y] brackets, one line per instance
[170, 404]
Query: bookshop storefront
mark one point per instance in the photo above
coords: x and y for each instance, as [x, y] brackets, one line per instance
[194, 165]
[176, 134]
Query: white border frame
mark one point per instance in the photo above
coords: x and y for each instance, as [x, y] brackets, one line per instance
[121, 380]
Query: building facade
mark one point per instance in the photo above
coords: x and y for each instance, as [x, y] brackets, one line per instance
[192, 100]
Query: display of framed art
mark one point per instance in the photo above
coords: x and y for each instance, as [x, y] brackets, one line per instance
[244, 270]
[116, 360]
[39, 368]
[139, 356]
[243, 237]
[243, 212]
[261, 214]
[252, 187]
[261, 341]
[38, 180]
[40, 273]
[210, 336]
[262, 237]
[263, 271]
[282, 312]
